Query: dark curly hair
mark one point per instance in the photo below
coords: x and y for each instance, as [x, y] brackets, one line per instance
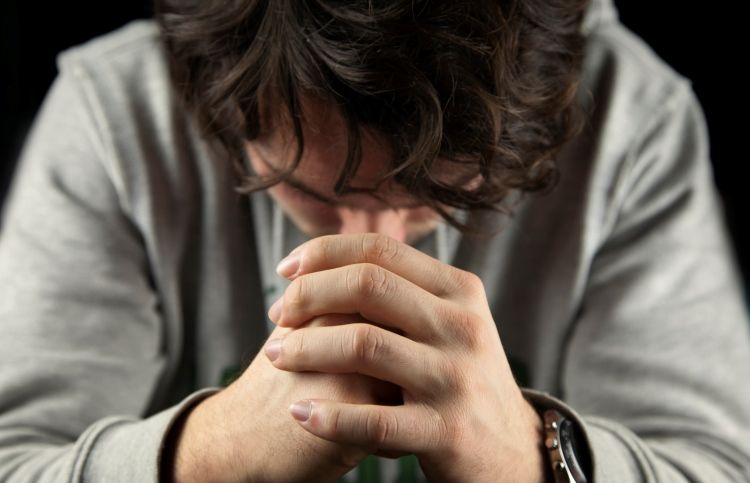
[488, 84]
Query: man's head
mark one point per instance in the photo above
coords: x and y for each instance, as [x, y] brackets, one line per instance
[308, 194]
[454, 102]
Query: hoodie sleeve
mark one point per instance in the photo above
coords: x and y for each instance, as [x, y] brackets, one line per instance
[81, 348]
[658, 364]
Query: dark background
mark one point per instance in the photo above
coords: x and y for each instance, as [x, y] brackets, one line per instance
[703, 45]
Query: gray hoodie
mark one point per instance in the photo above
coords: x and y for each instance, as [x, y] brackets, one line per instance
[135, 281]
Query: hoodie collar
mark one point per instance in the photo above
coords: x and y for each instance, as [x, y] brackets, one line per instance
[598, 13]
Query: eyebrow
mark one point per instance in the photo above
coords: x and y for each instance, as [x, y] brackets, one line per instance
[309, 191]
[298, 185]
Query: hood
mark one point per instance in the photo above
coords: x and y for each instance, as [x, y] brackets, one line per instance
[599, 12]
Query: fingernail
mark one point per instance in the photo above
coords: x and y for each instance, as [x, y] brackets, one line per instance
[301, 410]
[273, 349]
[274, 313]
[289, 266]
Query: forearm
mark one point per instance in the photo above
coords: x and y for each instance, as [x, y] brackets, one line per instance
[676, 455]
[620, 453]
[112, 449]
[195, 451]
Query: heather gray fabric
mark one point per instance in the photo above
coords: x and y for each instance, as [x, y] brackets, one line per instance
[131, 285]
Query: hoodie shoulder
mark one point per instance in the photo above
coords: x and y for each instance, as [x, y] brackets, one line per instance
[134, 36]
[625, 84]
[133, 40]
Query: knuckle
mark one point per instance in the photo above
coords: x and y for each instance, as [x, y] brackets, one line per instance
[469, 281]
[335, 424]
[379, 428]
[325, 247]
[366, 343]
[452, 379]
[446, 431]
[371, 281]
[462, 325]
[453, 434]
[379, 249]
[440, 377]
[294, 347]
[294, 296]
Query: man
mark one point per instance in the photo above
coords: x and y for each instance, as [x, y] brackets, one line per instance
[137, 280]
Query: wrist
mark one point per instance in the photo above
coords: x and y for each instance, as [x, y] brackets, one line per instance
[195, 450]
[567, 450]
[564, 449]
[537, 461]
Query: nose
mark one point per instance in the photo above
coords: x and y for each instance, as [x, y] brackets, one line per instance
[386, 222]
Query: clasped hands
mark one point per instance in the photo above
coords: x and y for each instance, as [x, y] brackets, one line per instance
[423, 326]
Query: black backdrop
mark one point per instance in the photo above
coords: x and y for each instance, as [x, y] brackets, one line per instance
[702, 45]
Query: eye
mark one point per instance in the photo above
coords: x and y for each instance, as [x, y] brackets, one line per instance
[301, 195]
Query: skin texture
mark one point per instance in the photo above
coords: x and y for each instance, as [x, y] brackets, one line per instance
[379, 348]
[431, 334]
[325, 151]
[245, 434]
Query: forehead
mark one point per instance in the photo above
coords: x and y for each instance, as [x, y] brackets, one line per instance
[326, 141]
[325, 136]
[319, 186]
